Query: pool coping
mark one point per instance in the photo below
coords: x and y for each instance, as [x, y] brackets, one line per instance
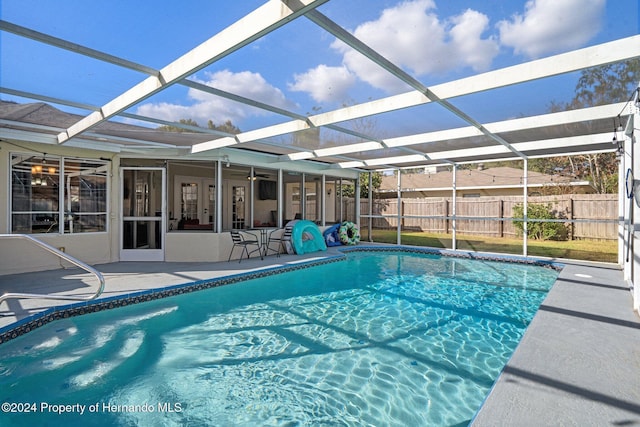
[36, 320]
[486, 256]
[64, 311]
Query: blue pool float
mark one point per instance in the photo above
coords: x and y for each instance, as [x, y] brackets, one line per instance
[306, 237]
[331, 237]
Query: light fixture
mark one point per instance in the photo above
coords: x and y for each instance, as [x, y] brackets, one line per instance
[41, 174]
[43, 179]
[36, 175]
[618, 142]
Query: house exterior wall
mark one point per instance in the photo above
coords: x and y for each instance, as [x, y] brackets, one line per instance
[197, 247]
[92, 248]
[103, 247]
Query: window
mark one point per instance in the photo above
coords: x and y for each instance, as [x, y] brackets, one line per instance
[57, 195]
[189, 200]
[333, 211]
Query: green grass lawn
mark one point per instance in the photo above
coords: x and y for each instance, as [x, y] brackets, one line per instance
[587, 250]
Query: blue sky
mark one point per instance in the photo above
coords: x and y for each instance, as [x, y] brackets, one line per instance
[300, 67]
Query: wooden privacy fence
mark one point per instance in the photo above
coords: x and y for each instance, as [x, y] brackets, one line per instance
[589, 216]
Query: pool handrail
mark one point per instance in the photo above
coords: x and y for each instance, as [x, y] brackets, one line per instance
[59, 254]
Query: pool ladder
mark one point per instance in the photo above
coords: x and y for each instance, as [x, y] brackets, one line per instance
[59, 254]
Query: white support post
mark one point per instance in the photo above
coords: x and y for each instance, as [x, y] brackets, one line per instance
[624, 223]
[323, 200]
[357, 201]
[399, 226]
[280, 198]
[525, 228]
[303, 195]
[370, 207]
[342, 215]
[219, 197]
[629, 140]
[453, 210]
[252, 175]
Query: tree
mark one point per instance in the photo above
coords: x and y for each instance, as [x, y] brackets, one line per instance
[188, 122]
[600, 169]
[607, 84]
[376, 180]
[226, 127]
[601, 85]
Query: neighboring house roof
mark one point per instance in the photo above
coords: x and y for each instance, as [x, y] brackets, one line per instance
[42, 118]
[499, 177]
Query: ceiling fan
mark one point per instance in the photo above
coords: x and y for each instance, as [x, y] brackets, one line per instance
[248, 176]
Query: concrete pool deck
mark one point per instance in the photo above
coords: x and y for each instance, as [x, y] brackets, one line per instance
[579, 360]
[577, 364]
[123, 278]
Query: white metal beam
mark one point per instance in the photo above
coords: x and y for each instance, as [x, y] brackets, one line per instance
[90, 107]
[394, 160]
[532, 122]
[398, 72]
[86, 51]
[263, 20]
[226, 140]
[545, 144]
[564, 63]
[552, 119]
[618, 50]
[74, 47]
[46, 138]
[487, 151]
[558, 118]
[575, 60]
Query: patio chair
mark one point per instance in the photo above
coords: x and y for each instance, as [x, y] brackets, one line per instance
[279, 239]
[239, 239]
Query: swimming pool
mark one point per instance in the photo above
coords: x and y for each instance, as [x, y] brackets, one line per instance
[382, 338]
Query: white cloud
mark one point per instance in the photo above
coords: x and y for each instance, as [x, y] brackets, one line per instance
[466, 39]
[324, 83]
[551, 26]
[413, 37]
[219, 110]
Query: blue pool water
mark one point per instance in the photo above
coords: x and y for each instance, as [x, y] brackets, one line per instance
[379, 339]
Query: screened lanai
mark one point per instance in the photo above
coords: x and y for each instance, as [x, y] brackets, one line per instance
[449, 122]
[335, 88]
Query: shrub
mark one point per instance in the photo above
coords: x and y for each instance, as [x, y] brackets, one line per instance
[539, 230]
